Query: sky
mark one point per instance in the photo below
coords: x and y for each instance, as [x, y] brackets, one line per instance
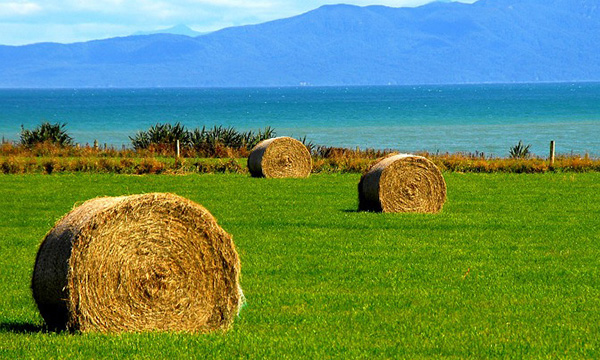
[67, 21]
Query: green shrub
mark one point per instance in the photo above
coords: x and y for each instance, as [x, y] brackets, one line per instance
[46, 133]
[207, 141]
[160, 135]
[519, 151]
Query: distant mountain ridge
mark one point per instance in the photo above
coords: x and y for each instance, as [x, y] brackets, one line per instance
[180, 29]
[488, 41]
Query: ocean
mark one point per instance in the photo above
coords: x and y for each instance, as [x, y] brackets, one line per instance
[434, 118]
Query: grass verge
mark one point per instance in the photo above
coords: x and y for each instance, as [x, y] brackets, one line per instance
[47, 158]
[510, 268]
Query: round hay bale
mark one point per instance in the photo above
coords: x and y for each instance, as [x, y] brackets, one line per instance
[280, 157]
[402, 183]
[152, 262]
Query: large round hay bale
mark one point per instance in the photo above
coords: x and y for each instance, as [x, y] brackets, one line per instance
[152, 262]
[280, 157]
[402, 183]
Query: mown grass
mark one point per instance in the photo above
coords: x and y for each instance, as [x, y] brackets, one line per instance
[510, 268]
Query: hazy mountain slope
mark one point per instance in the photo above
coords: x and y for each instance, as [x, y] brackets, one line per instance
[488, 41]
[180, 29]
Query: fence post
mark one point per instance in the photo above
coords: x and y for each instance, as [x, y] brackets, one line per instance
[178, 149]
[552, 149]
[95, 144]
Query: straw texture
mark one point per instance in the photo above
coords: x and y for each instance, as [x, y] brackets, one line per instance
[152, 262]
[402, 183]
[280, 157]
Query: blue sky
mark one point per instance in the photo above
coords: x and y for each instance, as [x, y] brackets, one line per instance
[65, 21]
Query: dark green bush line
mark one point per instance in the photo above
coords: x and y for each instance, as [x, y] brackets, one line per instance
[162, 138]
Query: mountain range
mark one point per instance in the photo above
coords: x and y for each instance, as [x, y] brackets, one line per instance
[180, 29]
[442, 42]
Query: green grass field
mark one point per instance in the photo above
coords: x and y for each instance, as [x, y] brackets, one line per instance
[510, 268]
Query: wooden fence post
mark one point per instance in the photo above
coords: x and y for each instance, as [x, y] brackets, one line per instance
[552, 149]
[178, 149]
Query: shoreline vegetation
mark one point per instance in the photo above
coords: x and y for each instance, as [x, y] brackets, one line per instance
[172, 149]
[49, 159]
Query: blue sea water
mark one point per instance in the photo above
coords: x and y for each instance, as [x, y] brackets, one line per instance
[448, 118]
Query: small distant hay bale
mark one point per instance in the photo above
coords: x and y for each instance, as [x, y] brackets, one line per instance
[280, 157]
[153, 262]
[402, 183]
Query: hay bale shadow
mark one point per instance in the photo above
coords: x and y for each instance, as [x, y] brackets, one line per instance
[16, 327]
